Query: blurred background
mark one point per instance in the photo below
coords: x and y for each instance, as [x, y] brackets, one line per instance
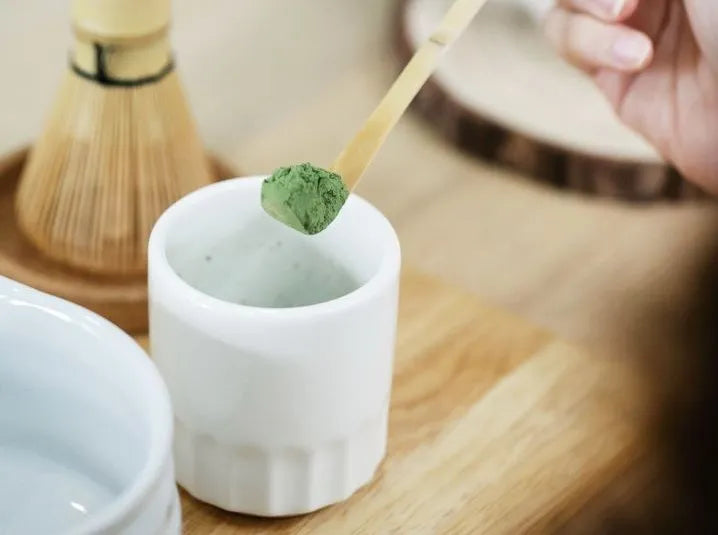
[277, 82]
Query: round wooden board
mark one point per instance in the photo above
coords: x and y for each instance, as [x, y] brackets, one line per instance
[504, 95]
[122, 300]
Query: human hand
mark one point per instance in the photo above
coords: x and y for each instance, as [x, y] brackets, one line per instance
[657, 63]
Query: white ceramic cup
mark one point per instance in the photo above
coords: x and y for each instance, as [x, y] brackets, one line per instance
[278, 411]
[85, 424]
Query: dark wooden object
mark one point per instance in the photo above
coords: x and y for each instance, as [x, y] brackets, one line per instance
[472, 130]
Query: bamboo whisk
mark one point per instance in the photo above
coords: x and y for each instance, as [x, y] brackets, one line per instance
[120, 145]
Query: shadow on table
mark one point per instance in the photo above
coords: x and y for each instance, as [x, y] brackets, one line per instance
[674, 489]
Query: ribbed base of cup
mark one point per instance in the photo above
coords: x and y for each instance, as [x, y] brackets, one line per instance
[282, 482]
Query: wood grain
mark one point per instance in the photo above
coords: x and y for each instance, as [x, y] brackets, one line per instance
[495, 427]
[616, 277]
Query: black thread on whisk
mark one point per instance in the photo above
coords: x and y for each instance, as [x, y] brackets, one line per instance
[100, 62]
[103, 78]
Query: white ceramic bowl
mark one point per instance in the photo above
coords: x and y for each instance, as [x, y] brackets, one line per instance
[85, 424]
[279, 411]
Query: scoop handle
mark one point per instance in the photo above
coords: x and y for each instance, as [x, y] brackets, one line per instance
[360, 152]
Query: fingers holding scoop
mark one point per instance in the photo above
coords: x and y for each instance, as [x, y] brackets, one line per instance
[590, 34]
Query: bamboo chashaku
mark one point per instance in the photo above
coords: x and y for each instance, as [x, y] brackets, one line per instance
[120, 145]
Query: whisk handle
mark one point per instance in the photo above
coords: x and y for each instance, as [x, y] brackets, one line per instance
[120, 19]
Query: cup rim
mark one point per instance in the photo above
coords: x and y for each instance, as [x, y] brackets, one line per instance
[156, 405]
[161, 269]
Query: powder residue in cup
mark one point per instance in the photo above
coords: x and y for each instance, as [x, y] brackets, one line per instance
[267, 268]
[304, 197]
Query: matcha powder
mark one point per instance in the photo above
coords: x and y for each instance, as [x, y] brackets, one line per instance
[305, 197]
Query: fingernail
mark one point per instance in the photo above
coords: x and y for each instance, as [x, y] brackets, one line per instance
[631, 50]
[611, 8]
[617, 7]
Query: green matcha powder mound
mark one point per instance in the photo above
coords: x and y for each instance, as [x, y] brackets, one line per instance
[305, 197]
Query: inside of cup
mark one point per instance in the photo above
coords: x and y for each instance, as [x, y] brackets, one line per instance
[226, 246]
[72, 436]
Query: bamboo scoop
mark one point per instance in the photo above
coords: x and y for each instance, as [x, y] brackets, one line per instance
[308, 198]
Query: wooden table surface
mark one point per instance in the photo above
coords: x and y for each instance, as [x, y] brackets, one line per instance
[273, 82]
[496, 426]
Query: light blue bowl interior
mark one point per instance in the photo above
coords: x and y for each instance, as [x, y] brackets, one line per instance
[71, 438]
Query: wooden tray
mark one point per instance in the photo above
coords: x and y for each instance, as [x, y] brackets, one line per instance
[504, 95]
[496, 427]
[123, 300]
